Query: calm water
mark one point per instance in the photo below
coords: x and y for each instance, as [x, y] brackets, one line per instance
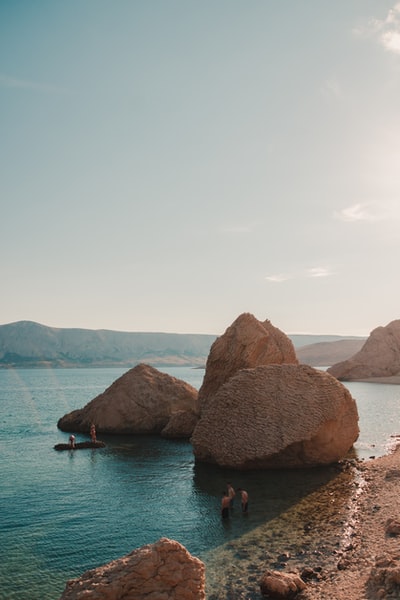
[65, 512]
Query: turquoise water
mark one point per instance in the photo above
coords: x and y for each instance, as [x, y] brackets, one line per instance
[65, 512]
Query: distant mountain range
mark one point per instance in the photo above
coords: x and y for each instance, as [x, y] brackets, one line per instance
[29, 344]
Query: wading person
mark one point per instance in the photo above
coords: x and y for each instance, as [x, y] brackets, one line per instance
[225, 505]
[231, 493]
[245, 500]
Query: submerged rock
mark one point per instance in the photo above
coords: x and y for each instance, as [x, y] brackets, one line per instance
[247, 343]
[80, 445]
[141, 401]
[160, 571]
[379, 356]
[277, 416]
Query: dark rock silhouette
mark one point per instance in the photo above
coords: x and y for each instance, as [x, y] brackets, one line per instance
[80, 445]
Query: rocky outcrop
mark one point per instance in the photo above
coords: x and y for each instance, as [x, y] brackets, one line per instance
[277, 416]
[161, 571]
[379, 356]
[245, 344]
[142, 401]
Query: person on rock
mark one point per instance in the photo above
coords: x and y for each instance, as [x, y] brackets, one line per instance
[93, 433]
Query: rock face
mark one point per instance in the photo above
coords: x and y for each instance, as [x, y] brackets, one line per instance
[180, 425]
[379, 357]
[245, 344]
[161, 571]
[277, 416]
[142, 401]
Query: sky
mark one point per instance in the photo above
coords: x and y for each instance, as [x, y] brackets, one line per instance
[167, 165]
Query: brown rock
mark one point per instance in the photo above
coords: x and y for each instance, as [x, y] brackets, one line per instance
[161, 571]
[379, 356]
[140, 402]
[245, 344]
[277, 416]
[392, 527]
[384, 579]
[278, 585]
[180, 425]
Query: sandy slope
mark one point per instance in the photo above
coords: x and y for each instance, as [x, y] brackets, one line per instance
[355, 576]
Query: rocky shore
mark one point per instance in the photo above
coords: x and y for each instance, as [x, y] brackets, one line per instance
[349, 547]
[367, 566]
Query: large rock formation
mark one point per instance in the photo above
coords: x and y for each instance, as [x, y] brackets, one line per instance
[142, 401]
[277, 416]
[245, 344]
[160, 571]
[379, 356]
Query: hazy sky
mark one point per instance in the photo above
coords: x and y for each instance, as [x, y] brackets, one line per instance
[169, 164]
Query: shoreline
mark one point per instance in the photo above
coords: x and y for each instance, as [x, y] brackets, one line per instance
[392, 379]
[342, 532]
[362, 569]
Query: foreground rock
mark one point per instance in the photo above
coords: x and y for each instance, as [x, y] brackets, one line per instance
[379, 356]
[277, 416]
[142, 401]
[161, 571]
[247, 343]
[281, 586]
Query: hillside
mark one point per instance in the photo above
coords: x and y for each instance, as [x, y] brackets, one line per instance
[29, 344]
[329, 353]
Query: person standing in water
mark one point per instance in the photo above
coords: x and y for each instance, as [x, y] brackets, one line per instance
[72, 441]
[225, 502]
[245, 500]
[93, 433]
[231, 493]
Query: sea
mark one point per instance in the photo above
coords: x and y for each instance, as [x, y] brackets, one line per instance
[62, 513]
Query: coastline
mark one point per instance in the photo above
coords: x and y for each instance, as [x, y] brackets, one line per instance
[343, 535]
[371, 552]
[392, 379]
